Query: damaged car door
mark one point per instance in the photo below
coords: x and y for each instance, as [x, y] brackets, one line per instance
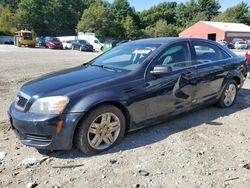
[171, 81]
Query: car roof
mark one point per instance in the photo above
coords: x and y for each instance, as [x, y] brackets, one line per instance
[166, 40]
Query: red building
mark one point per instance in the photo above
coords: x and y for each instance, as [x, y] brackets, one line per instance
[217, 31]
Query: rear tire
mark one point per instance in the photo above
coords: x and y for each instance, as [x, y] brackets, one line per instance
[229, 95]
[14, 40]
[101, 129]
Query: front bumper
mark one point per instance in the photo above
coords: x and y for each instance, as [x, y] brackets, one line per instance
[39, 131]
[28, 42]
[56, 47]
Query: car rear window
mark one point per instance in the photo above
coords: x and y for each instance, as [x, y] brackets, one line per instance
[206, 52]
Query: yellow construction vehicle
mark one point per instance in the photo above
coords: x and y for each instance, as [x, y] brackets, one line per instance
[24, 36]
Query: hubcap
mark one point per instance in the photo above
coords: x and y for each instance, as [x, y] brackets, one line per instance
[104, 131]
[230, 95]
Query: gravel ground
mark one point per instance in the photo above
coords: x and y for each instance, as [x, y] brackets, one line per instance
[207, 148]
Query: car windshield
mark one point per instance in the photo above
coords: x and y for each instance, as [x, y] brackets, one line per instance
[54, 40]
[126, 57]
[27, 36]
[83, 42]
[242, 42]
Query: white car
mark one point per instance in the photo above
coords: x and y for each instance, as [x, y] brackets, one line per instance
[240, 45]
[67, 44]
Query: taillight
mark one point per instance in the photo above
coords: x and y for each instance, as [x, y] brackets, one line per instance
[247, 55]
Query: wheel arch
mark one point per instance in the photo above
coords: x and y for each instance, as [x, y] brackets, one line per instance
[237, 79]
[235, 75]
[232, 75]
[117, 104]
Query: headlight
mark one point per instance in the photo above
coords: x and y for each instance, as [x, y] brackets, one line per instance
[49, 105]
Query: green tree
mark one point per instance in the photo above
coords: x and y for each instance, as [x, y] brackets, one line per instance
[96, 19]
[164, 11]
[50, 17]
[87, 3]
[11, 3]
[185, 13]
[6, 20]
[161, 29]
[209, 7]
[30, 12]
[239, 14]
[62, 16]
[131, 29]
[200, 16]
[121, 10]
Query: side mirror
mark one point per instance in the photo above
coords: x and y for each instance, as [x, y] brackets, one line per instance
[158, 70]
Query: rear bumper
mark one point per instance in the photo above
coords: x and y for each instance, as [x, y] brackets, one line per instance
[39, 131]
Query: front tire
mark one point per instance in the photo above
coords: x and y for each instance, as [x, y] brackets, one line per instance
[18, 43]
[101, 129]
[229, 95]
[44, 151]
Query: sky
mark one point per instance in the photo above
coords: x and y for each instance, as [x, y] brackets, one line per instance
[141, 5]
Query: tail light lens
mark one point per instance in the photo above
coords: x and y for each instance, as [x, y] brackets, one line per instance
[247, 55]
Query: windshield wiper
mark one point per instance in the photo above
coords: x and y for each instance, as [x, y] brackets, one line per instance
[104, 67]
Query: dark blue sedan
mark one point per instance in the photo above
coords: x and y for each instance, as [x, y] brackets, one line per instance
[82, 45]
[134, 85]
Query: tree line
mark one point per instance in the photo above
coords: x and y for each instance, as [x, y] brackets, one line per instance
[113, 20]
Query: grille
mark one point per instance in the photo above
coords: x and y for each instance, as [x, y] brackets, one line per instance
[39, 138]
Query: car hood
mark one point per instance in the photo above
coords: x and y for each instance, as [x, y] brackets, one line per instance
[68, 81]
[56, 43]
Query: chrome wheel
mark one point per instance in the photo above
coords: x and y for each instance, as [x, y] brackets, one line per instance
[230, 94]
[104, 131]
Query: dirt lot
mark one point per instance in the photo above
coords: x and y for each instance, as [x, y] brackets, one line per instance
[205, 148]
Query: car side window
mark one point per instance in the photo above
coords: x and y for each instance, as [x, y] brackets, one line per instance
[206, 52]
[176, 56]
